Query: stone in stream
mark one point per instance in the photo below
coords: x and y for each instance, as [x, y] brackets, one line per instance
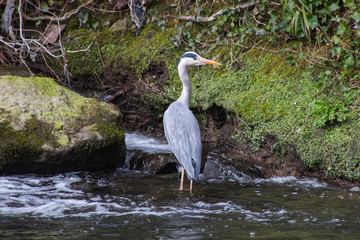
[47, 128]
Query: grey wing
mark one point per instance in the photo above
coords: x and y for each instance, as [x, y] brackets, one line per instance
[183, 134]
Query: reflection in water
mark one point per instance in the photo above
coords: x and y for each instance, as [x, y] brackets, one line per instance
[134, 205]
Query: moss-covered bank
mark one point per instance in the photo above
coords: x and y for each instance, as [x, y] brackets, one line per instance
[45, 127]
[263, 93]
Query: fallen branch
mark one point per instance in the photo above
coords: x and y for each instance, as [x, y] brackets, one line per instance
[217, 14]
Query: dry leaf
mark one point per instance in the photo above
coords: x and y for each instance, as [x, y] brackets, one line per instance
[52, 33]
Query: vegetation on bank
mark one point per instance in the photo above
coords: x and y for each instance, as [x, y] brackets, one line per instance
[290, 68]
[290, 72]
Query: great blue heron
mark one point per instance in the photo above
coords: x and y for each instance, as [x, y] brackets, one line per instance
[180, 125]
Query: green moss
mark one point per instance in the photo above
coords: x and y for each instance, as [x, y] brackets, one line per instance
[27, 143]
[40, 117]
[111, 131]
[270, 97]
[118, 49]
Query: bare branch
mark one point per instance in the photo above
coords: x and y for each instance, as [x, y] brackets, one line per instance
[217, 14]
[21, 23]
[7, 19]
[63, 18]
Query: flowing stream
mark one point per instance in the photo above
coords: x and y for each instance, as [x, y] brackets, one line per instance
[125, 204]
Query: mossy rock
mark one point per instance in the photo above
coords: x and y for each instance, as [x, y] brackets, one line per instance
[47, 128]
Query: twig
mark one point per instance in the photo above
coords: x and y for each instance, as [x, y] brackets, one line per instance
[97, 43]
[217, 14]
[53, 72]
[63, 18]
[21, 23]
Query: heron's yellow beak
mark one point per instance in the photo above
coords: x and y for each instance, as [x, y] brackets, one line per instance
[207, 61]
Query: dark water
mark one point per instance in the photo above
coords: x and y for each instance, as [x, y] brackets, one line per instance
[134, 205]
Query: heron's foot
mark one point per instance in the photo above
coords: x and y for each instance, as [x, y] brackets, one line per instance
[183, 190]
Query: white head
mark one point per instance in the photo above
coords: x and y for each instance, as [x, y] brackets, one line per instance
[192, 58]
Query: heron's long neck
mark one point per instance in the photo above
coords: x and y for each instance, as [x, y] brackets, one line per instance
[185, 79]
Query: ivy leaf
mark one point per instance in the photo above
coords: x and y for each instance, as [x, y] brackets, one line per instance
[302, 55]
[355, 16]
[313, 21]
[191, 42]
[336, 50]
[261, 33]
[290, 60]
[349, 60]
[199, 9]
[188, 24]
[336, 39]
[333, 7]
[350, 4]
[342, 28]
[272, 18]
[45, 7]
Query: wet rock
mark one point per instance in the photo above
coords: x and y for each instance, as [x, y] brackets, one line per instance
[152, 163]
[211, 170]
[46, 128]
[220, 166]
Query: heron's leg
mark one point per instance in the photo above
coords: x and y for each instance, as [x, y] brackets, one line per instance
[191, 182]
[182, 179]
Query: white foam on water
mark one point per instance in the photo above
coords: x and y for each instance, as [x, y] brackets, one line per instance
[54, 197]
[135, 141]
[293, 181]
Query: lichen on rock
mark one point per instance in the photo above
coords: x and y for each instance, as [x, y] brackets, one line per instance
[45, 128]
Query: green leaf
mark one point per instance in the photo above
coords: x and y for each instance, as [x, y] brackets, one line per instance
[355, 16]
[328, 72]
[272, 18]
[199, 9]
[350, 4]
[306, 22]
[261, 33]
[333, 7]
[336, 39]
[191, 42]
[290, 60]
[349, 60]
[302, 55]
[313, 21]
[95, 24]
[306, 6]
[84, 17]
[336, 50]
[294, 23]
[342, 28]
[45, 6]
[188, 24]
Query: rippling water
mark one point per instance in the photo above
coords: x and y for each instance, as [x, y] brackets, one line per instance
[134, 205]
